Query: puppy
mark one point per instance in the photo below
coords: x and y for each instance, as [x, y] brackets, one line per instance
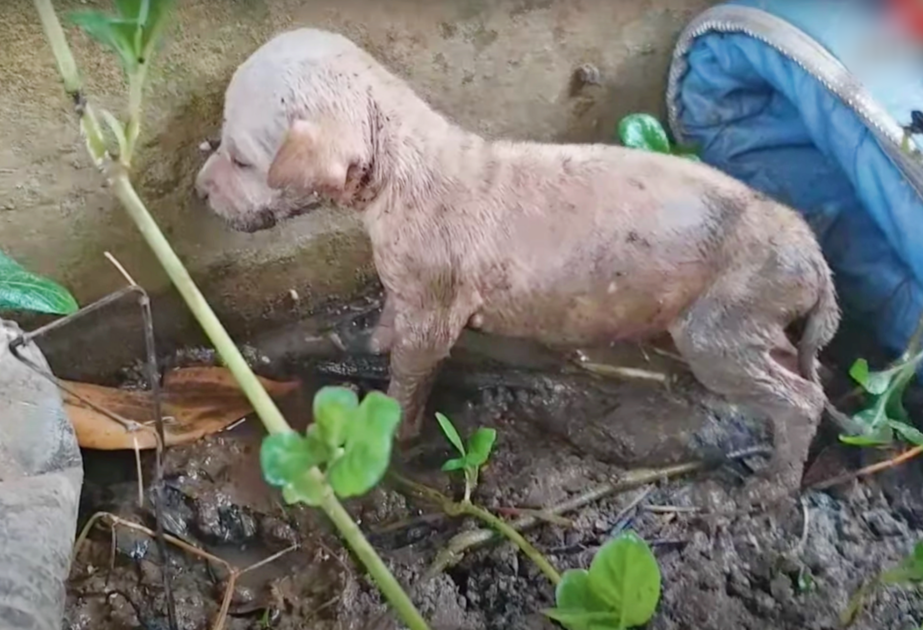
[571, 245]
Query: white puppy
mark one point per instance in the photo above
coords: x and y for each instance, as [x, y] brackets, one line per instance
[571, 245]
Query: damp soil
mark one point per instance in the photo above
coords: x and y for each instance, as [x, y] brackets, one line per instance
[561, 432]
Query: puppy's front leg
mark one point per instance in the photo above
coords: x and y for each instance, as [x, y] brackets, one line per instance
[422, 340]
[383, 336]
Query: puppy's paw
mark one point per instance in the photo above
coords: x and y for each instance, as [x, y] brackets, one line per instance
[381, 340]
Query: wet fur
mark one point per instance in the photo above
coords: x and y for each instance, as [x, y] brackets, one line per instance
[571, 245]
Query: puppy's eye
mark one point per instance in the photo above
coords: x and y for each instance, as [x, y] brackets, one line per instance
[240, 164]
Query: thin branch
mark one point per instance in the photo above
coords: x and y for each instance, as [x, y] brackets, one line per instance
[869, 470]
[115, 263]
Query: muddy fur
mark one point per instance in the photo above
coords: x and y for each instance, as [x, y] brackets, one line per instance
[570, 245]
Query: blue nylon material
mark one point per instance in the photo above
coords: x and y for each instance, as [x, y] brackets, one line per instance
[760, 117]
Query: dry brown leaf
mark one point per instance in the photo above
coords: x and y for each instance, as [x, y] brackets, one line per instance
[196, 402]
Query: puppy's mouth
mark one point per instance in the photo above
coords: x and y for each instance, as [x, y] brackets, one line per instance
[263, 220]
[268, 219]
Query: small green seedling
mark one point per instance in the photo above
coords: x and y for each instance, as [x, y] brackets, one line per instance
[621, 589]
[473, 458]
[22, 290]
[133, 32]
[908, 572]
[347, 449]
[643, 131]
[885, 414]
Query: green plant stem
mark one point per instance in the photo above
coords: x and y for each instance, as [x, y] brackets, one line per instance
[264, 406]
[458, 508]
[135, 100]
[67, 67]
[385, 580]
[515, 537]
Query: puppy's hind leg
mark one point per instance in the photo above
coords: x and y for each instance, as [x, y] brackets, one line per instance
[741, 355]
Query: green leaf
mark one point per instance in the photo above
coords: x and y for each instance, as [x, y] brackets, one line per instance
[909, 433]
[688, 152]
[894, 406]
[624, 574]
[875, 383]
[156, 23]
[877, 432]
[580, 620]
[643, 131]
[449, 430]
[574, 593]
[910, 570]
[305, 488]
[479, 446]
[22, 290]
[334, 410]
[284, 457]
[151, 17]
[133, 33]
[805, 582]
[110, 31]
[454, 464]
[367, 450]
[864, 440]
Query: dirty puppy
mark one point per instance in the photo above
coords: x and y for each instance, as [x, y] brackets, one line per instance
[570, 245]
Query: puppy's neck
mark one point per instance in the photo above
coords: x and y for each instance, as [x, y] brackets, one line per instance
[419, 156]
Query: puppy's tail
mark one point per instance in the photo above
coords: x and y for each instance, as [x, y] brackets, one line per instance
[822, 322]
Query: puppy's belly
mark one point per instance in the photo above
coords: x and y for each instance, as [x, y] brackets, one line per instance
[579, 320]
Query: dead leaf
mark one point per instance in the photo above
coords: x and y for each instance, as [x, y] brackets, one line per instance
[195, 401]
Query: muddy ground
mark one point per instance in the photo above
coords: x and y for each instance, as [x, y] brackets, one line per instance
[562, 432]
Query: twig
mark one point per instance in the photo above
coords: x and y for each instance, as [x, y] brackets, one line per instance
[112, 259]
[30, 337]
[157, 484]
[542, 515]
[805, 525]
[138, 470]
[618, 371]
[632, 505]
[406, 523]
[668, 354]
[868, 470]
[671, 509]
[233, 572]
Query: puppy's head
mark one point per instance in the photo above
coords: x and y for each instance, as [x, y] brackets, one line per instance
[267, 92]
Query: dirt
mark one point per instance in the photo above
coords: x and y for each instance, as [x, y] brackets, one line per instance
[561, 432]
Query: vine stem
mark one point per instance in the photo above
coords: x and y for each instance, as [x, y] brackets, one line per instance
[373, 563]
[536, 556]
[459, 508]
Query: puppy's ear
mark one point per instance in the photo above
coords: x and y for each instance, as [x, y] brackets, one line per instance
[309, 161]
